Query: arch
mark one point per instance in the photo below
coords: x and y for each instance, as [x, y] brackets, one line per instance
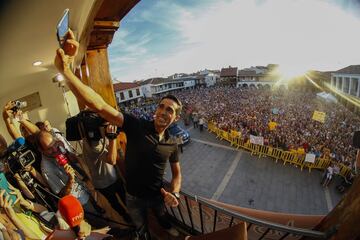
[267, 86]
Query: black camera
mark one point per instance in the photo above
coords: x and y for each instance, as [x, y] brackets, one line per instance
[19, 105]
[86, 124]
[19, 159]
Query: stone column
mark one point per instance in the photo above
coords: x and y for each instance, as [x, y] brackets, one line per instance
[358, 88]
[343, 82]
[350, 85]
[337, 83]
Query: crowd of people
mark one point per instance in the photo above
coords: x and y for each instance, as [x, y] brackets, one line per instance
[50, 191]
[43, 174]
[282, 117]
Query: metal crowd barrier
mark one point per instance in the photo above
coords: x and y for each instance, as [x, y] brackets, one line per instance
[277, 154]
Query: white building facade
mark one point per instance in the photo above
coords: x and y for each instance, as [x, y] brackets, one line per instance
[125, 92]
[347, 80]
[210, 79]
[156, 86]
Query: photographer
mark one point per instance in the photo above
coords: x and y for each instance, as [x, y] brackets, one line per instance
[10, 115]
[100, 158]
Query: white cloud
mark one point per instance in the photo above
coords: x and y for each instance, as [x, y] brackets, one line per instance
[298, 34]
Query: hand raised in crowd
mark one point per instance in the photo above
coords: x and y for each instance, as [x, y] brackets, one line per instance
[65, 56]
[19, 196]
[169, 198]
[6, 203]
[7, 112]
[85, 230]
[70, 172]
[7, 231]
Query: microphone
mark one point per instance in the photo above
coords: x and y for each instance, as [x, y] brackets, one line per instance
[61, 159]
[71, 210]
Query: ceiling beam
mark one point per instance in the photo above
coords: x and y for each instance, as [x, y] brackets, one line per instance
[103, 21]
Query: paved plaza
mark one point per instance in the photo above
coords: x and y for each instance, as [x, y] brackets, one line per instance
[213, 169]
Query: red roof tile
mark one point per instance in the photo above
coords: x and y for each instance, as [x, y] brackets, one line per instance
[352, 69]
[228, 72]
[124, 85]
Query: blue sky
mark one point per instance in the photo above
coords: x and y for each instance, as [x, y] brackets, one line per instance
[161, 37]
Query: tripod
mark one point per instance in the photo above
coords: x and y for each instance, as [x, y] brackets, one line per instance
[42, 194]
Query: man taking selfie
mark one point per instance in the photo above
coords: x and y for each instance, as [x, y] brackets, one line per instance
[148, 145]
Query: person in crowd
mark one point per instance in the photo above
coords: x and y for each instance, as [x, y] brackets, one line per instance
[201, 123]
[346, 182]
[27, 139]
[3, 145]
[195, 119]
[30, 226]
[328, 175]
[64, 180]
[100, 158]
[72, 214]
[249, 111]
[8, 230]
[56, 133]
[148, 145]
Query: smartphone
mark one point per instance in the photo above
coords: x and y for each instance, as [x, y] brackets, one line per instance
[62, 28]
[4, 185]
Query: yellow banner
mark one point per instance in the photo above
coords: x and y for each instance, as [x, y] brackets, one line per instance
[319, 116]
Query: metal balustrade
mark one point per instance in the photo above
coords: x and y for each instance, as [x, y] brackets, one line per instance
[199, 216]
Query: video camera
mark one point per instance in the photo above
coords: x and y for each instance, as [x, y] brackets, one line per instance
[19, 105]
[19, 159]
[86, 124]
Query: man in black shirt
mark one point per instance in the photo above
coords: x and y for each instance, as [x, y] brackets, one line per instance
[148, 144]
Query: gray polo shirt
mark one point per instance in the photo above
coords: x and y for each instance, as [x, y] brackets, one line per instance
[102, 173]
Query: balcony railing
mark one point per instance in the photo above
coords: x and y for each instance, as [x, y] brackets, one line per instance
[199, 216]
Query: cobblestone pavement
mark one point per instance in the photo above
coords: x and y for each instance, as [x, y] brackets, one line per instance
[213, 169]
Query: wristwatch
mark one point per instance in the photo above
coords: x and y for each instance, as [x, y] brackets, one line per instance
[176, 194]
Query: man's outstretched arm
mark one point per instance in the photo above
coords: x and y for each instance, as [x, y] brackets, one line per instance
[63, 61]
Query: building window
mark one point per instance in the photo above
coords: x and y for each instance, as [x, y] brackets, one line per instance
[137, 92]
[122, 97]
[130, 94]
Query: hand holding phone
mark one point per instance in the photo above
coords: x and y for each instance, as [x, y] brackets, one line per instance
[63, 28]
[4, 185]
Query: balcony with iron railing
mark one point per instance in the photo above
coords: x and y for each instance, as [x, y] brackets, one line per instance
[205, 219]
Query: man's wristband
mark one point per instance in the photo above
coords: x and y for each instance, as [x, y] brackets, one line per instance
[111, 136]
[176, 194]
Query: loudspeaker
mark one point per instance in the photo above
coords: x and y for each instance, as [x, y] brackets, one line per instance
[356, 139]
